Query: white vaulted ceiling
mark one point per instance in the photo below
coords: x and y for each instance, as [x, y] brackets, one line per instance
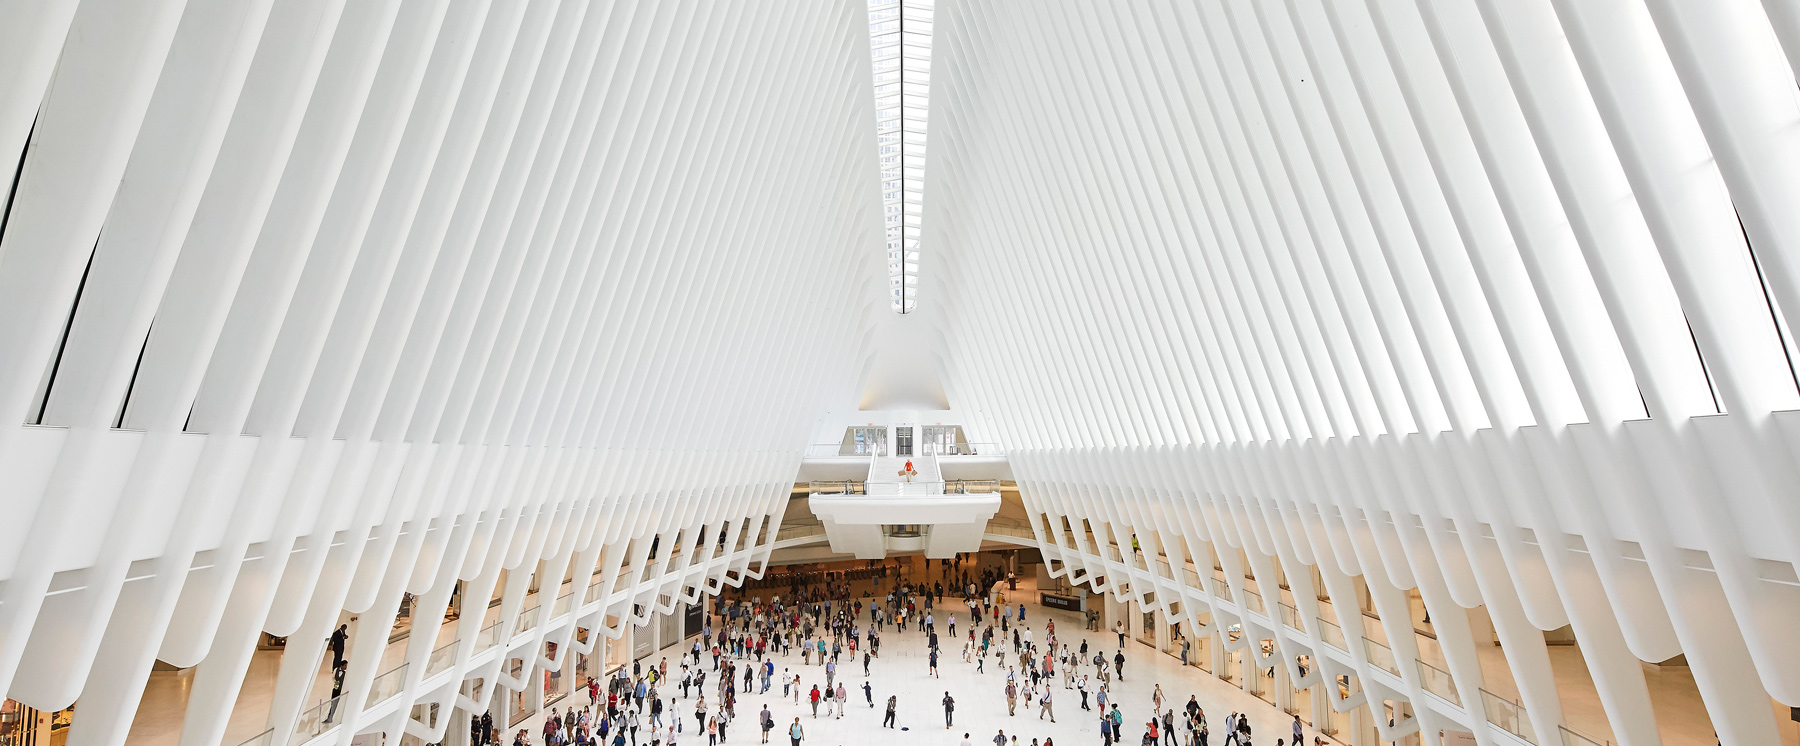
[460, 283]
[1480, 297]
[311, 306]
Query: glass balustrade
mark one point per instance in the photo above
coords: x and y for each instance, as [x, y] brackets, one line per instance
[261, 739]
[1333, 635]
[1438, 681]
[1290, 616]
[839, 487]
[1509, 715]
[441, 659]
[1253, 601]
[322, 717]
[387, 684]
[1221, 589]
[1380, 656]
[528, 619]
[489, 637]
[972, 487]
[562, 604]
[1572, 738]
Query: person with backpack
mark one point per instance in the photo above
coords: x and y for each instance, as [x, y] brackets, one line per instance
[768, 722]
[1044, 706]
[949, 711]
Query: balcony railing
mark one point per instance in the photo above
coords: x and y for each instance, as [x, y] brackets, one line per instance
[387, 684]
[489, 637]
[322, 717]
[528, 619]
[903, 489]
[1253, 601]
[441, 658]
[1221, 589]
[1290, 616]
[1571, 738]
[829, 450]
[1509, 715]
[1380, 656]
[1438, 681]
[800, 531]
[1333, 635]
[561, 606]
[839, 487]
[964, 449]
[972, 487]
[261, 739]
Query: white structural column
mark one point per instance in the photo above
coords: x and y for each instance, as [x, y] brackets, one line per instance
[1484, 304]
[315, 306]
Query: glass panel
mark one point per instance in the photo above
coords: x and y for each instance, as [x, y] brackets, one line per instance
[1380, 656]
[322, 717]
[1438, 681]
[387, 684]
[1333, 635]
[1290, 616]
[441, 658]
[261, 739]
[1509, 715]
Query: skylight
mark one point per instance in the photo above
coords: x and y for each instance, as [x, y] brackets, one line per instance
[900, 37]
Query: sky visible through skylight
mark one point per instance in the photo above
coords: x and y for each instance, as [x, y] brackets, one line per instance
[900, 38]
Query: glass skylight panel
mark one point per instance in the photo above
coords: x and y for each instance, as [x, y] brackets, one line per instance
[900, 40]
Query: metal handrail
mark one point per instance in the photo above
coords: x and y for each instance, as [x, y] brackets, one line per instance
[1508, 715]
[322, 717]
[261, 739]
[1290, 617]
[388, 684]
[1439, 682]
[441, 658]
[1572, 738]
[1333, 635]
[1254, 602]
[1381, 656]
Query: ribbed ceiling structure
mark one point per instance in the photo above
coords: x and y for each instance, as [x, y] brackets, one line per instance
[311, 307]
[1479, 297]
[308, 304]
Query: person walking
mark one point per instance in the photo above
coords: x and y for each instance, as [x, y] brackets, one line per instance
[1044, 705]
[830, 672]
[1156, 700]
[1106, 732]
[1012, 697]
[1081, 686]
[1168, 727]
[869, 694]
[949, 711]
[1296, 741]
[814, 697]
[338, 637]
[796, 734]
[934, 660]
[888, 721]
[1119, 664]
[768, 722]
[843, 700]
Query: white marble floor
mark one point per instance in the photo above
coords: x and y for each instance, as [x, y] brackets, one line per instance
[903, 671]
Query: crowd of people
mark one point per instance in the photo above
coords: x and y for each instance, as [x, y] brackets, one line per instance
[818, 624]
